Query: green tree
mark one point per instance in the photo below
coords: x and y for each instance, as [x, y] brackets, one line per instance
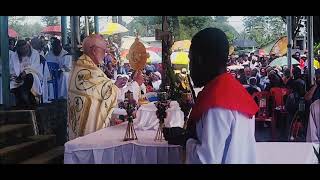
[182, 27]
[221, 19]
[16, 23]
[30, 30]
[243, 35]
[144, 25]
[15, 20]
[221, 22]
[24, 29]
[190, 25]
[316, 48]
[51, 20]
[264, 29]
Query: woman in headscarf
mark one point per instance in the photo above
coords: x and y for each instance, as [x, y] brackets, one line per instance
[156, 80]
[253, 88]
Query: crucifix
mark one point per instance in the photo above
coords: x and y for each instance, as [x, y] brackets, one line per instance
[167, 41]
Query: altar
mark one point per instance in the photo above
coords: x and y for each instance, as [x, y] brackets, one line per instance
[107, 147]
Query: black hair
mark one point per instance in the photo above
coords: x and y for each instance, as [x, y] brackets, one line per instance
[36, 43]
[297, 72]
[286, 72]
[56, 46]
[298, 88]
[148, 72]
[241, 71]
[254, 70]
[12, 40]
[209, 52]
[12, 43]
[22, 47]
[275, 80]
[56, 42]
[253, 81]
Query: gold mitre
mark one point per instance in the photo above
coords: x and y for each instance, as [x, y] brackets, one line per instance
[137, 55]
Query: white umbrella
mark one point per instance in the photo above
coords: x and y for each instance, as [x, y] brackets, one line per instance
[283, 61]
[154, 58]
[127, 41]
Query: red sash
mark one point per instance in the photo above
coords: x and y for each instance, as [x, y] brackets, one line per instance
[224, 92]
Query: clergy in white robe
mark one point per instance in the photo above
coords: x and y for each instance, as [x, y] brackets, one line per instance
[224, 124]
[221, 125]
[124, 89]
[37, 45]
[44, 81]
[60, 56]
[136, 86]
[156, 80]
[313, 132]
[92, 96]
[138, 90]
[27, 63]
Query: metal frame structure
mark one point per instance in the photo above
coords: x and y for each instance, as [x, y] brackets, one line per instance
[5, 61]
[310, 40]
[310, 50]
[289, 31]
[75, 42]
[64, 33]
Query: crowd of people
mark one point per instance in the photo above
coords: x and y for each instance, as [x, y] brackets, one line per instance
[138, 82]
[287, 88]
[30, 72]
[99, 79]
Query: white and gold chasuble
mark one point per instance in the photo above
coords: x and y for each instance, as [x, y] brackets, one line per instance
[91, 98]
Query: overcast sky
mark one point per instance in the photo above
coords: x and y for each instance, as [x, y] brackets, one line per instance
[235, 21]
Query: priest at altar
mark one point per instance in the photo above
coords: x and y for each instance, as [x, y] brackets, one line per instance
[92, 96]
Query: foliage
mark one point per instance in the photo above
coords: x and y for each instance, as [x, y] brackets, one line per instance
[182, 27]
[264, 29]
[51, 20]
[316, 48]
[23, 29]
